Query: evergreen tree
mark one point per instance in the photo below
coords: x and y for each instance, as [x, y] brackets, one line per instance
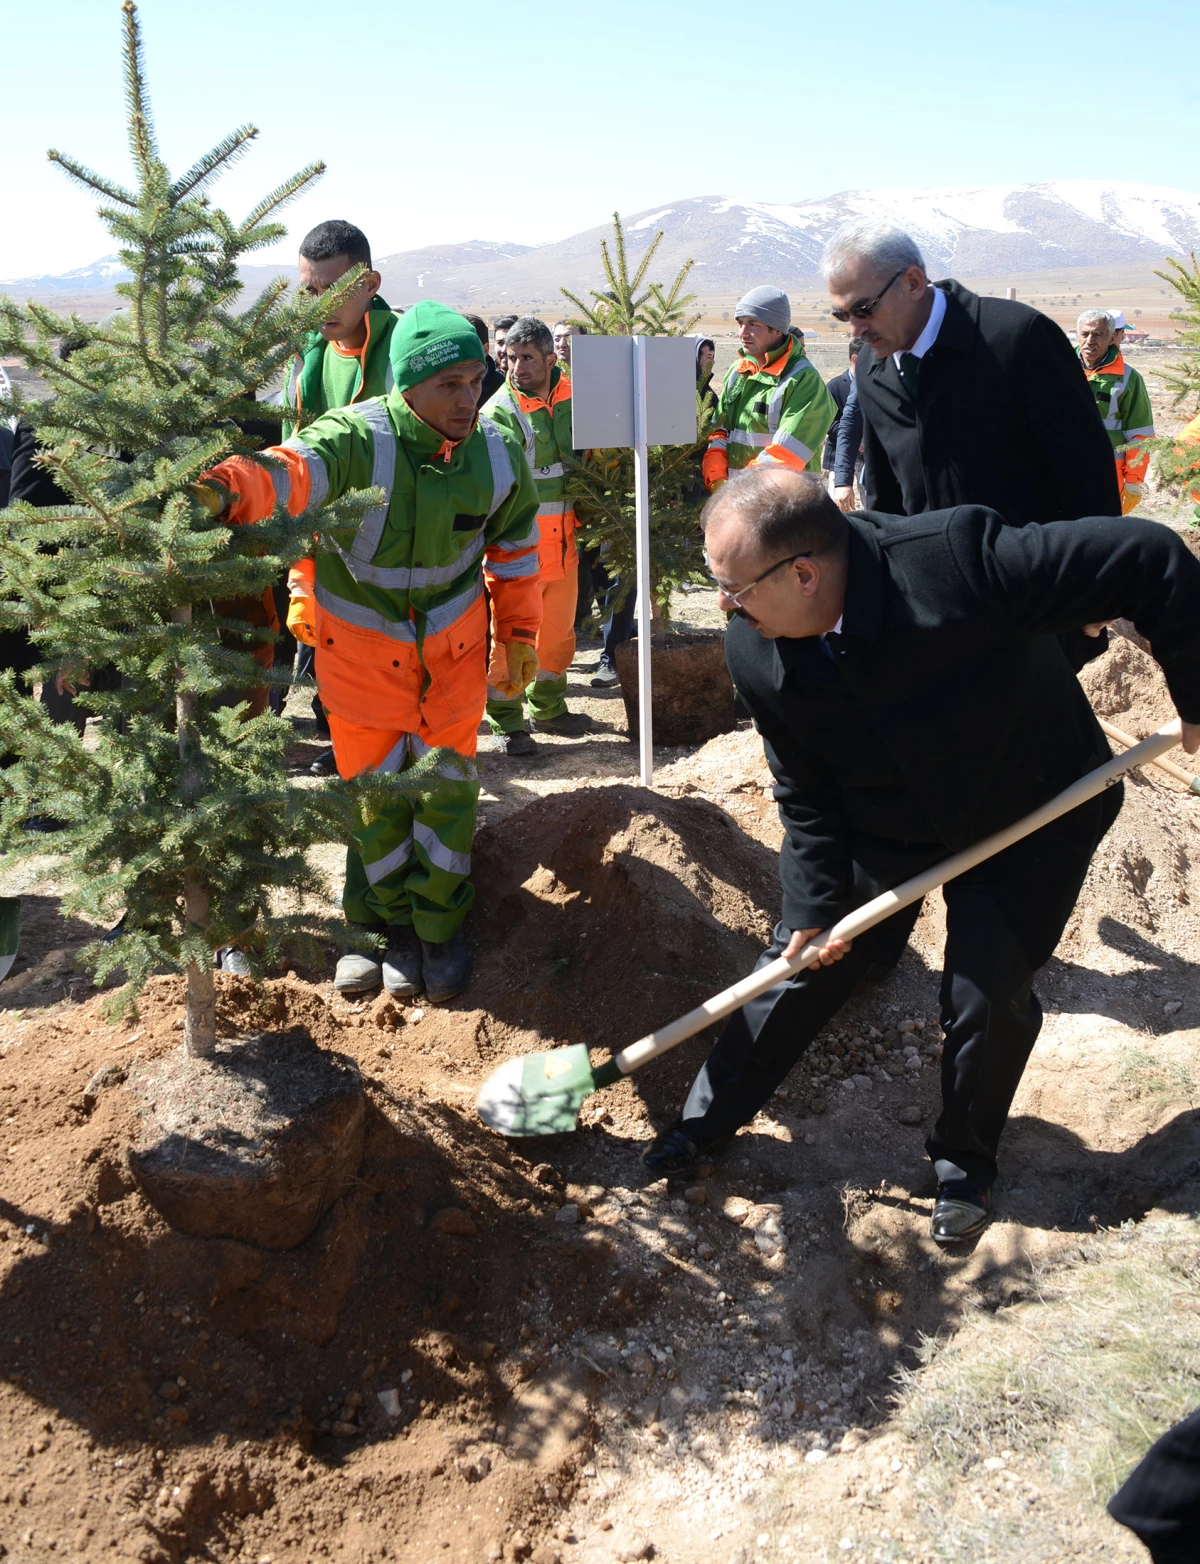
[181, 816]
[1176, 465]
[601, 486]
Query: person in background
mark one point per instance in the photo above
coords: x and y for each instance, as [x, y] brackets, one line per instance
[773, 409]
[499, 332]
[706, 359]
[535, 406]
[563, 332]
[1122, 400]
[1120, 326]
[493, 379]
[840, 389]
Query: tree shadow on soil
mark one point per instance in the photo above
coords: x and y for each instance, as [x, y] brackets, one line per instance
[1123, 998]
[45, 972]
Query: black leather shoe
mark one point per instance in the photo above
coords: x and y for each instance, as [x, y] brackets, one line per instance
[447, 967]
[677, 1152]
[961, 1211]
[403, 974]
[324, 766]
[518, 743]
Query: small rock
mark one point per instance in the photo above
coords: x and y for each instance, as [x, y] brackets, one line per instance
[487, 1351]
[736, 1209]
[494, 1551]
[546, 1173]
[1172, 1007]
[517, 1547]
[416, 1015]
[544, 1554]
[704, 1250]
[112, 1074]
[567, 1214]
[389, 1400]
[628, 1545]
[453, 1220]
[343, 1430]
[910, 1115]
[816, 1457]
[853, 1438]
[640, 1363]
[355, 1399]
[696, 1195]
[994, 1463]
[169, 1390]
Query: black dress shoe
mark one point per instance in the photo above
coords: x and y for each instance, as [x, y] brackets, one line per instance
[677, 1152]
[961, 1211]
[325, 765]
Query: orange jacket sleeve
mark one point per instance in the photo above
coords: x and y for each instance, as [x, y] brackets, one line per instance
[714, 466]
[257, 490]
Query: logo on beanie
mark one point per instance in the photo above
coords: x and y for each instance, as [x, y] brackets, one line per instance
[436, 355]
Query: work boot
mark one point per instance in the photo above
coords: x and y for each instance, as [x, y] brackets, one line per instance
[359, 972]
[570, 725]
[447, 966]
[325, 765]
[402, 975]
[962, 1211]
[518, 743]
[605, 675]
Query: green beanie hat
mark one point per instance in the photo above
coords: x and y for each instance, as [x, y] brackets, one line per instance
[429, 337]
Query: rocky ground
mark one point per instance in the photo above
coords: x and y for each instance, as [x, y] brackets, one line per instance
[501, 1349]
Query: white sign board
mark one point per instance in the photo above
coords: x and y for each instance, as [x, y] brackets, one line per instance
[602, 391]
[635, 392]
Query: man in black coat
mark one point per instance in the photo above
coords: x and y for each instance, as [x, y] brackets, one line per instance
[913, 697]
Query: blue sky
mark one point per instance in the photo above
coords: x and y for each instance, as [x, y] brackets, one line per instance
[518, 121]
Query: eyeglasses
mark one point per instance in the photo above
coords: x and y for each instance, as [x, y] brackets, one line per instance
[736, 597]
[866, 310]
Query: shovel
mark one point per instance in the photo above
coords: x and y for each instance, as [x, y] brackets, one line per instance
[541, 1094]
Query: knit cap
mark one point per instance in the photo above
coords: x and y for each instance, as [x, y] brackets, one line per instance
[429, 337]
[767, 304]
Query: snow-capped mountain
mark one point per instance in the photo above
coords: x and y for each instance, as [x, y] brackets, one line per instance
[965, 231]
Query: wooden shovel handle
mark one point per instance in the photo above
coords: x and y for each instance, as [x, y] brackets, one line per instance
[880, 907]
[1192, 783]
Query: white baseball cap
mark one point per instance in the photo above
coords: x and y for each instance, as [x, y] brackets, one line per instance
[1118, 320]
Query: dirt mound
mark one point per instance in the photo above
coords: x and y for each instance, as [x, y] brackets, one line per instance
[1126, 683]
[173, 1394]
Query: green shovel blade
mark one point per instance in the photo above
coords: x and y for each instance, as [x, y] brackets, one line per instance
[541, 1094]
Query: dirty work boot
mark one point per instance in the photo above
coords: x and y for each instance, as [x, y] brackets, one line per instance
[402, 974]
[447, 967]
[570, 725]
[358, 971]
[961, 1212]
[518, 743]
[605, 675]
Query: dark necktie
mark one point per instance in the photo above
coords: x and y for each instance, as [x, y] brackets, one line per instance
[910, 366]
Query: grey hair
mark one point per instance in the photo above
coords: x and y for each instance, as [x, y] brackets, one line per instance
[1110, 320]
[530, 331]
[882, 244]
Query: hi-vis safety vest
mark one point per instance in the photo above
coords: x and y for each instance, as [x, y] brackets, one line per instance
[1124, 405]
[304, 390]
[544, 430]
[399, 598]
[776, 415]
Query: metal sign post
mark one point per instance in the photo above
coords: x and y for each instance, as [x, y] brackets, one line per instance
[635, 392]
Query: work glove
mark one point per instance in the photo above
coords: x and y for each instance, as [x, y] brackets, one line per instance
[1132, 497]
[714, 467]
[515, 672]
[301, 618]
[211, 498]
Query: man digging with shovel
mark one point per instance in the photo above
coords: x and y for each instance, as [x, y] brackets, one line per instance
[912, 698]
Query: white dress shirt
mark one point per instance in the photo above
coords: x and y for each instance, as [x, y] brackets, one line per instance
[932, 326]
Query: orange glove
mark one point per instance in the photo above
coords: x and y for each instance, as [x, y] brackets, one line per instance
[302, 610]
[714, 467]
[513, 666]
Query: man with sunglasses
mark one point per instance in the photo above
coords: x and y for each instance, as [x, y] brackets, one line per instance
[965, 400]
[913, 698]
[774, 410]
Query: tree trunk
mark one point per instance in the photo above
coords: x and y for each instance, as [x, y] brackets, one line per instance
[200, 1016]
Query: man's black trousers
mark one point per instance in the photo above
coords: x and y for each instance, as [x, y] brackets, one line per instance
[1160, 1500]
[1003, 920]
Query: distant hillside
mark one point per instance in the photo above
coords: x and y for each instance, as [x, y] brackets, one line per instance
[983, 230]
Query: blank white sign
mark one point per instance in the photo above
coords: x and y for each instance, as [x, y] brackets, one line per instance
[602, 391]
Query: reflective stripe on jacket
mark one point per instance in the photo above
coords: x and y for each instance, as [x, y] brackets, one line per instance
[543, 426]
[777, 414]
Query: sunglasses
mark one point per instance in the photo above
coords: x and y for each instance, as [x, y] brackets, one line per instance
[736, 597]
[865, 310]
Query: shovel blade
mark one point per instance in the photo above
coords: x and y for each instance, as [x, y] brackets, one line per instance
[538, 1094]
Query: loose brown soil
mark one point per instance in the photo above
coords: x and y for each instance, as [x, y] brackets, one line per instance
[692, 690]
[498, 1348]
